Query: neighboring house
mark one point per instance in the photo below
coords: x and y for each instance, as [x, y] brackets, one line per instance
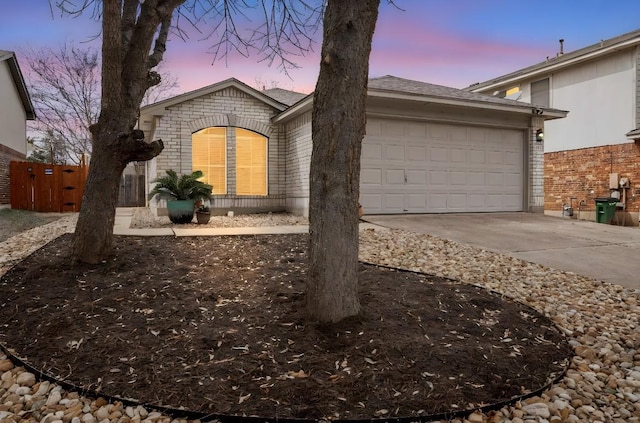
[597, 147]
[15, 109]
[427, 149]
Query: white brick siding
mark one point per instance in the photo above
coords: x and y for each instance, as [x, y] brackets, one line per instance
[298, 164]
[228, 108]
[535, 180]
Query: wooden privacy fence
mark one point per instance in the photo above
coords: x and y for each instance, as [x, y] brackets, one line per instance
[47, 188]
[131, 192]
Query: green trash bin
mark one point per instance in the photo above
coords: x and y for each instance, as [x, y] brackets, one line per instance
[605, 209]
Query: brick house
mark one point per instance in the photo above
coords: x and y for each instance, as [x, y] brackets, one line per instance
[15, 109]
[595, 151]
[427, 149]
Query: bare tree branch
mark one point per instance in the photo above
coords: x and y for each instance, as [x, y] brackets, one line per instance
[65, 88]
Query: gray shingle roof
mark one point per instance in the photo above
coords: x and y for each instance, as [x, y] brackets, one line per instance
[407, 86]
[284, 96]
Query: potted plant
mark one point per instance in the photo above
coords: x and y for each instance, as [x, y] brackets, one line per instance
[203, 214]
[181, 193]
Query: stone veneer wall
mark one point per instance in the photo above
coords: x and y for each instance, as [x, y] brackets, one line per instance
[6, 156]
[229, 108]
[584, 174]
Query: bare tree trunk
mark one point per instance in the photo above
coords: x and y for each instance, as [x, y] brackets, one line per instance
[94, 231]
[338, 122]
[127, 63]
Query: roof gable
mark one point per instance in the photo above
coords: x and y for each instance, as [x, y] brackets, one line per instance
[562, 61]
[159, 107]
[16, 74]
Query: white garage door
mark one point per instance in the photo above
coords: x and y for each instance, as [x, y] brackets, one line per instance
[420, 167]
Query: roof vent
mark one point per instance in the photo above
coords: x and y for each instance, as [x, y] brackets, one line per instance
[561, 52]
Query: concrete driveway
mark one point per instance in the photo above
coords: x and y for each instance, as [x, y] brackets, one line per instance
[604, 252]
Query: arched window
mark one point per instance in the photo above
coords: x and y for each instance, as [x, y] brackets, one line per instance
[251, 163]
[209, 154]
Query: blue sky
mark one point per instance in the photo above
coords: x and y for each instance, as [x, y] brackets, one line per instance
[447, 42]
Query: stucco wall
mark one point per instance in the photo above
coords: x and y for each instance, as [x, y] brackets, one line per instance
[231, 108]
[13, 119]
[600, 98]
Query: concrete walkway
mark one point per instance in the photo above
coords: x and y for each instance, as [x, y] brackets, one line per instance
[124, 216]
[604, 252]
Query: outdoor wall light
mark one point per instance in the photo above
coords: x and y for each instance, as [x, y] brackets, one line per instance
[539, 135]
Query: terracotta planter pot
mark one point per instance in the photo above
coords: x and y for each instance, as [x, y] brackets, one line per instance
[203, 217]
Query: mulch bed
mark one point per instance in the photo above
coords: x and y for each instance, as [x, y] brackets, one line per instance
[217, 325]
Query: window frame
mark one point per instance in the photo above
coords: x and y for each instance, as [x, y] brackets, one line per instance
[231, 167]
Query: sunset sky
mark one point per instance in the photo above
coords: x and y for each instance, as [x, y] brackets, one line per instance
[447, 42]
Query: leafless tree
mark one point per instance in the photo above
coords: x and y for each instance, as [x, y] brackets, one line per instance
[47, 149]
[65, 88]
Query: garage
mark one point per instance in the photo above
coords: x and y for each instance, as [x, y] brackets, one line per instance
[412, 166]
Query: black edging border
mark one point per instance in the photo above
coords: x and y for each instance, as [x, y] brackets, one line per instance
[225, 418]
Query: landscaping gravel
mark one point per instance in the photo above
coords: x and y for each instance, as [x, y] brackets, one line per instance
[601, 321]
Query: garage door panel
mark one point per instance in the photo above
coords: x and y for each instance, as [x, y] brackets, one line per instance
[418, 167]
[495, 179]
[439, 154]
[394, 201]
[416, 177]
[371, 152]
[458, 178]
[477, 156]
[495, 157]
[394, 177]
[476, 200]
[415, 153]
[459, 155]
[457, 201]
[476, 179]
[458, 133]
[371, 201]
[394, 152]
[512, 202]
[417, 129]
[417, 201]
[513, 180]
[438, 177]
[371, 176]
[494, 201]
[437, 132]
[512, 158]
[438, 201]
